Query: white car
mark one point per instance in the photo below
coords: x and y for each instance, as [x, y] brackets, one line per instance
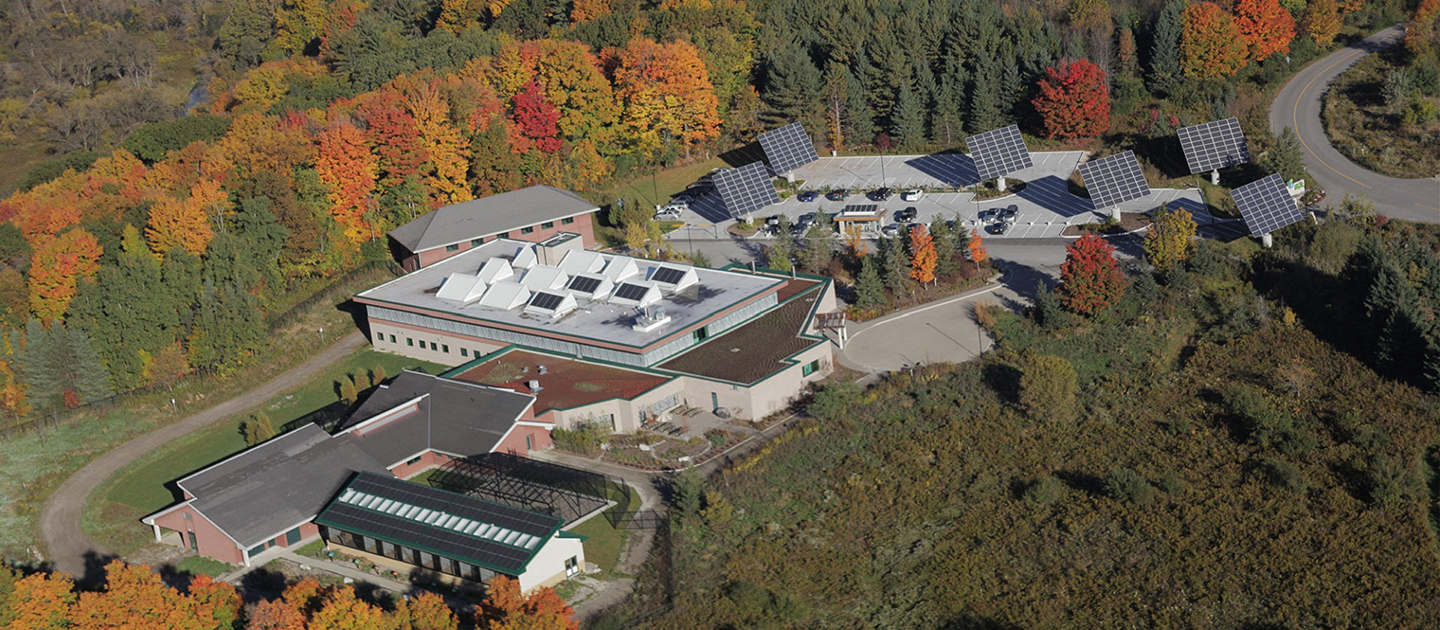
[912, 195]
[670, 212]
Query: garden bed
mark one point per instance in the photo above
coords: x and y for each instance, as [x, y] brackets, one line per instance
[986, 191]
[967, 278]
[1129, 222]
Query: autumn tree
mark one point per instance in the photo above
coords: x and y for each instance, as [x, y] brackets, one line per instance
[42, 601]
[1422, 31]
[666, 94]
[534, 122]
[257, 428]
[922, 254]
[1322, 22]
[1090, 277]
[273, 615]
[58, 264]
[134, 597]
[345, 164]
[186, 222]
[505, 608]
[425, 611]
[976, 247]
[583, 11]
[342, 610]
[1170, 237]
[1211, 46]
[1074, 100]
[1266, 26]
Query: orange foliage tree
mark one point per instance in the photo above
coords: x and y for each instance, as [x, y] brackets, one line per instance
[273, 615]
[666, 94]
[922, 254]
[134, 597]
[260, 143]
[1266, 26]
[448, 153]
[585, 10]
[57, 264]
[1422, 32]
[1211, 46]
[1074, 100]
[505, 608]
[977, 248]
[345, 164]
[1322, 22]
[185, 222]
[42, 601]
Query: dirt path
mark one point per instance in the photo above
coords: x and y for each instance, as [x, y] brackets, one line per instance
[69, 548]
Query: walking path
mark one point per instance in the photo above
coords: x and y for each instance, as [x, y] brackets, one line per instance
[69, 548]
[1298, 106]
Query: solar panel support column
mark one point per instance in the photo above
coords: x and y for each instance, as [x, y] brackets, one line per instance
[1000, 183]
[1215, 177]
[1266, 241]
[1115, 214]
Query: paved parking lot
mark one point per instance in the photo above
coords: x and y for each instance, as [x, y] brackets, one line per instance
[1045, 204]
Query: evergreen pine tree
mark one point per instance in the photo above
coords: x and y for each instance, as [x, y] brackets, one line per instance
[859, 117]
[1286, 158]
[346, 390]
[792, 89]
[782, 247]
[819, 247]
[947, 246]
[908, 123]
[1165, 47]
[378, 374]
[869, 290]
[985, 98]
[947, 126]
[897, 267]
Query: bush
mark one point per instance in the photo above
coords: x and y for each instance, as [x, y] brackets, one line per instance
[152, 141]
[1044, 492]
[1285, 475]
[835, 400]
[1047, 388]
[1048, 311]
[1392, 482]
[585, 438]
[1127, 486]
[1420, 112]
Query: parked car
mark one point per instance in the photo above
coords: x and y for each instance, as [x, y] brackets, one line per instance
[999, 227]
[989, 214]
[808, 196]
[837, 195]
[912, 195]
[1010, 213]
[772, 225]
[907, 215]
[891, 231]
[668, 213]
[881, 194]
[803, 224]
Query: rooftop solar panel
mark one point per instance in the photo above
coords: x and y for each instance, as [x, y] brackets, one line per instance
[1266, 205]
[788, 148]
[547, 301]
[584, 284]
[745, 189]
[1214, 145]
[668, 275]
[633, 292]
[1114, 180]
[999, 152]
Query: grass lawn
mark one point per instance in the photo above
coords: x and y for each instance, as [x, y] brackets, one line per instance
[198, 565]
[605, 540]
[111, 515]
[424, 477]
[663, 184]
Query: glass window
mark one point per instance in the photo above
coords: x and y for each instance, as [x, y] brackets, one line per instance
[427, 560]
[452, 248]
[447, 565]
[392, 338]
[527, 230]
[547, 225]
[409, 342]
[387, 549]
[434, 346]
[464, 352]
[504, 235]
[413, 459]
[445, 348]
[810, 368]
[476, 241]
[256, 551]
[407, 554]
[567, 220]
[370, 544]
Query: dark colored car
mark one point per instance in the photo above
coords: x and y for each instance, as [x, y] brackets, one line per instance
[802, 225]
[881, 194]
[989, 214]
[808, 196]
[1010, 213]
[837, 195]
[907, 215]
[999, 227]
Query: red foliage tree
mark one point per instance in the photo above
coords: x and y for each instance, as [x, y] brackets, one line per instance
[57, 264]
[391, 130]
[506, 608]
[273, 615]
[1090, 278]
[1211, 46]
[534, 121]
[1074, 100]
[1266, 26]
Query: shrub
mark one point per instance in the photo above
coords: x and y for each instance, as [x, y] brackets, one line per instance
[1420, 112]
[1391, 481]
[1044, 492]
[1048, 311]
[1047, 388]
[835, 400]
[1127, 486]
[1285, 475]
[1397, 88]
[584, 438]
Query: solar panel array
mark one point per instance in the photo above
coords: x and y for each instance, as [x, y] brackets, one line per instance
[1266, 205]
[584, 284]
[1114, 180]
[788, 148]
[632, 292]
[668, 275]
[1214, 145]
[999, 152]
[745, 189]
[547, 301]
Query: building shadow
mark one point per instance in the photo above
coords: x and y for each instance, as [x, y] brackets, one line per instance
[952, 169]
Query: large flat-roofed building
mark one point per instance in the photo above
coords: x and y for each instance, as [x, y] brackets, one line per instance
[529, 214]
[608, 338]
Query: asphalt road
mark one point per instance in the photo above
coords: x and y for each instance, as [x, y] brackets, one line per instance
[69, 548]
[1298, 107]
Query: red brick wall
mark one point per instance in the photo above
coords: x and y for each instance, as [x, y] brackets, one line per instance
[212, 542]
[427, 460]
[539, 440]
[584, 225]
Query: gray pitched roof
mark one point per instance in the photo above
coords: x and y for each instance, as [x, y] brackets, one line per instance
[454, 416]
[262, 491]
[490, 215]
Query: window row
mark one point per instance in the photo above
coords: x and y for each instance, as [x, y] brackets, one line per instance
[407, 555]
[439, 347]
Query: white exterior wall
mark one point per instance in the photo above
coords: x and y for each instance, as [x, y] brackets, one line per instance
[767, 396]
[626, 412]
[548, 566]
[380, 332]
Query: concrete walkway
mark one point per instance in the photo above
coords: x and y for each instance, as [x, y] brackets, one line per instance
[69, 548]
[342, 569]
[944, 330]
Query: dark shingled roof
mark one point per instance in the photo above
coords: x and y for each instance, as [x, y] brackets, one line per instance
[456, 417]
[762, 343]
[505, 539]
[490, 215]
[262, 491]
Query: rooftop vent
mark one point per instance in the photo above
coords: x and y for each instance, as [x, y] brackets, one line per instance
[651, 317]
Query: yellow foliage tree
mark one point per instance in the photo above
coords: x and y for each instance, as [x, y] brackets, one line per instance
[185, 222]
[1170, 238]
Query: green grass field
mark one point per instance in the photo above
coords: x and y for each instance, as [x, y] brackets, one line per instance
[112, 514]
[664, 184]
[605, 540]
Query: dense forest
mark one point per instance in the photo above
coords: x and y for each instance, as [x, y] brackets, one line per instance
[173, 220]
[1198, 444]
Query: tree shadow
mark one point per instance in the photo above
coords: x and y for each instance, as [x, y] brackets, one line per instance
[1003, 379]
[92, 576]
[1081, 481]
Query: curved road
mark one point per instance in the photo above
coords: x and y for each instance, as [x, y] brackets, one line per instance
[69, 548]
[1298, 107]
